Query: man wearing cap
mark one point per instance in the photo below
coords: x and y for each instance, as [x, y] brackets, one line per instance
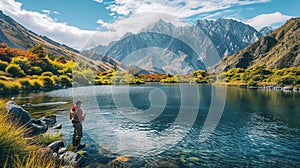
[76, 116]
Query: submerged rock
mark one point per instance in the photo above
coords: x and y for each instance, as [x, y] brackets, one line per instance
[120, 161]
[59, 126]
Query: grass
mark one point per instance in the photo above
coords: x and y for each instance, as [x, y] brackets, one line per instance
[46, 138]
[33, 160]
[16, 149]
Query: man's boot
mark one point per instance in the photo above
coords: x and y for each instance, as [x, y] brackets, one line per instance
[79, 146]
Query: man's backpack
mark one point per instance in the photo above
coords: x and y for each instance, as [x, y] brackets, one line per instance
[73, 115]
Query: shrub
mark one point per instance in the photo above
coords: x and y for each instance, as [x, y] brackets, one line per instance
[287, 80]
[80, 80]
[3, 65]
[35, 84]
[65, 81]
[9, 87]
[221, 76]
[25, 84]
[46, 82]
[251, 83]
[15, 70]
[47, 73]
[22, 62]
[35, 70]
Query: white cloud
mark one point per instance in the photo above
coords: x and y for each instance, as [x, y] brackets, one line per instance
[45, 25]
[55, 12]
[263, 20]
[46, 11]
[100, 1]
[100, 21]
[180, 8]
[131, 16]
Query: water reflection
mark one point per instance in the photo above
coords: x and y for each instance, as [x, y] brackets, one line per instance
[258, 128]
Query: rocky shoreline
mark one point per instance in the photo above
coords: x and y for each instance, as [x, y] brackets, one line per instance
[277, 88]
[61, 151]
[56, 149]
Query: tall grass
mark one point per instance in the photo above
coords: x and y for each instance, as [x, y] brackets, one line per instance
[33, 160]
[12, 141]
[47, 138]
[16, 149]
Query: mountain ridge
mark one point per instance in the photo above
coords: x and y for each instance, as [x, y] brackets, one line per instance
[279, 49]
[17, 36]
[195, 46]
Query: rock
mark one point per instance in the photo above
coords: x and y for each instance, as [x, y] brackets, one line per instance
[17, 114]
[59, 126]
[296, 89]
[38, 122]
[62, 150]
[72, 159]
[36, 129]
[27, 105]
[120, 161]
[48, 120]
[288, 88]
[22, 117]
[277, 88]
[54, 146]
[162, 163]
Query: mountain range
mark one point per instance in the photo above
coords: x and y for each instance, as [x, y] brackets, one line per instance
[17, 36]
[279, 49]
[164, 48]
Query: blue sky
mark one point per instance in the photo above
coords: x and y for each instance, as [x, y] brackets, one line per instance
[85, 23]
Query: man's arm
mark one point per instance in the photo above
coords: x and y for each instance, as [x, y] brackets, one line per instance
[80, 114]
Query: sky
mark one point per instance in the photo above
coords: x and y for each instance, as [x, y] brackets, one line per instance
[84, 24]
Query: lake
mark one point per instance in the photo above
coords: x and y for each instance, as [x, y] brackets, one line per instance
[183, 125]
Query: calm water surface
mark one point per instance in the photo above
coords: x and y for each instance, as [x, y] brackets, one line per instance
[258, 128]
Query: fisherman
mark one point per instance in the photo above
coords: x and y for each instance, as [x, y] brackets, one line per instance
[76, 116]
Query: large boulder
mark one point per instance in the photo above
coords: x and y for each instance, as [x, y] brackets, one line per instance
[17, 114]
[72, 159]
[22, 118]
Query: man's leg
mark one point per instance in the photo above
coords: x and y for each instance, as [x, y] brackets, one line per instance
[74, 136]
[77, 134]
[79, 146]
